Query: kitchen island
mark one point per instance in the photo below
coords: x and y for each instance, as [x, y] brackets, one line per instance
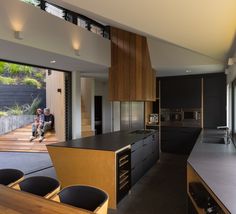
[113, 161]
[211, 174]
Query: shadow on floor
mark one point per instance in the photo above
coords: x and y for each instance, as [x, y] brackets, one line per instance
[161, 191]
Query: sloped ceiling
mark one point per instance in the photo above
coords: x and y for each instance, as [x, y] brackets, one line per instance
[204, 26]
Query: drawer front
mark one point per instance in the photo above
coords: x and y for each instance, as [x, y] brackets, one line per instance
[136, 157]
[136, 145]
[136, 174]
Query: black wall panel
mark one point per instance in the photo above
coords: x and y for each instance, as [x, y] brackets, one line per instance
[181, 92]
[214, 100]
[185, 92]
[10, 95]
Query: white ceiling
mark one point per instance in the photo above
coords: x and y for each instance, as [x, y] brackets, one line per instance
[33, 56]
[183, 34]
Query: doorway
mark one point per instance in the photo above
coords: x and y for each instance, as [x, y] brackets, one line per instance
[24, 88]
[98, 114]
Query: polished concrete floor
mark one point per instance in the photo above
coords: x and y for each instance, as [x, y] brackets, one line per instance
[161, 191]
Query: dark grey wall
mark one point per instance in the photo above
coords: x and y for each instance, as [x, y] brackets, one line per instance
[181, 92]
[185, 92]
[20, 94]
[214, 101]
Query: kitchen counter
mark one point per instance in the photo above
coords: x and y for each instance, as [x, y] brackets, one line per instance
[105, 161]
[113, 141]
[215, 164]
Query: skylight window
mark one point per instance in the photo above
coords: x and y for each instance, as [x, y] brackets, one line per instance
[36, 3]
[56, 11]
[82, 23]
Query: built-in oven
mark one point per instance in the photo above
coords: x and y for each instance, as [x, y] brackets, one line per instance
[191, 115]
[123, 173]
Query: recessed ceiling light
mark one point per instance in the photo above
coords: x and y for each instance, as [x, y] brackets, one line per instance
[53, 61]
[188, 71]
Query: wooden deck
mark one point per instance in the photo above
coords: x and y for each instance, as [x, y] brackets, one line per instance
[18, 140]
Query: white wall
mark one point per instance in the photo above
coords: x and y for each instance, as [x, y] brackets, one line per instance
[76, 105]
[87, 96]
[56, 101]
[101, 89]
[48, 33]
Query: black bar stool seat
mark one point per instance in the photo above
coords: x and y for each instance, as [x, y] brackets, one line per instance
[10, 177]
[85, 197]
[39, 185]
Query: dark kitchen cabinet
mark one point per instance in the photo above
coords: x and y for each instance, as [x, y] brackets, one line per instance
[181, 92]
[144, 155]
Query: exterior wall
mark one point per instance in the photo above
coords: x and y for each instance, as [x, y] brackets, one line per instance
[10, 95]
[10, 123]
[56, 101]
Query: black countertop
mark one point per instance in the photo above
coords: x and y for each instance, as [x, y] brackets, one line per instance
[216, 165]
[113, 141]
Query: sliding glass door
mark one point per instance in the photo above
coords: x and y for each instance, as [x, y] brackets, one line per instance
[233, 112]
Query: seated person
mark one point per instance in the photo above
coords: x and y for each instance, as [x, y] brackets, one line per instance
[47, 125]
[38, 121]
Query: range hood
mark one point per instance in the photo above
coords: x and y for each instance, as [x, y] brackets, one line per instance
[131, 77]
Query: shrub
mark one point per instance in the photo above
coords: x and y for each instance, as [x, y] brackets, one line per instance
[2, 67]
[7, 80]
[13, 69]
[32, 82]
[27, 70]
[31, 109]
[3, 113]
[39, 75]
[15, 110]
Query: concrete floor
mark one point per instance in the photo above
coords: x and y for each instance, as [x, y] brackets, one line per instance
[161, 191]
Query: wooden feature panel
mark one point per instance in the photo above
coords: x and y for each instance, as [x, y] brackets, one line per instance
[192, 176]
[56, 101]
[15, 201]
[148, 111]
[86, 166]
[131, 77]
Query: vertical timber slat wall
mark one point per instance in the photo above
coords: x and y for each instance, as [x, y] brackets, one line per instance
[131, 77]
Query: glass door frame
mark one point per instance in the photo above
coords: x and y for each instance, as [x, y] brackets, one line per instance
[233, 110]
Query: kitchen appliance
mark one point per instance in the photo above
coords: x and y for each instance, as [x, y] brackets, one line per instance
[131, 115]
[154, 118]
[123, 173]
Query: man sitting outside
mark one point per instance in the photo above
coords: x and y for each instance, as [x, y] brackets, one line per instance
[47, 125]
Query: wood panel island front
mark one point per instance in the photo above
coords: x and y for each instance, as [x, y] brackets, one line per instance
[112, 162]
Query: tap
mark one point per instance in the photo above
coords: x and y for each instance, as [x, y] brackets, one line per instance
[227, 133]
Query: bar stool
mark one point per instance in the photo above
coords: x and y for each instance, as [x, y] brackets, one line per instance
[39, 185]
[85, 197]
[10, 177]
